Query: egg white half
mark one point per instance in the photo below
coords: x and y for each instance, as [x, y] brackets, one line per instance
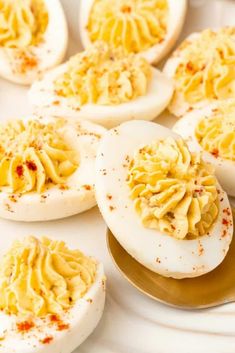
[159, 252]
[82, 320]
[56, 203]
[49, 53]
[43, 97]
[177, 14]
[224, 168]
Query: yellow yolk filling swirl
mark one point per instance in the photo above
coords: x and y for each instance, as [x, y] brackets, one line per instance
[135, 25]
[22, 22]
[105, 76]
[173, 190]
[34, 156]
[41, 277]
[216, 134]
[206, 69]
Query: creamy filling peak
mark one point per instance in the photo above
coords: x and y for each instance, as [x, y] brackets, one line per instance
[173, 190]
[135, 25]
[34, 156]
[105, 76]
[40, 277]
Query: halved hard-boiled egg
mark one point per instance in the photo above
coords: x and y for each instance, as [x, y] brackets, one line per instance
[33, 38]
[211, 130]
[149, 28]
[103, 85]
[51, 297]
[47, 168]
[161, 201]
[203, 69]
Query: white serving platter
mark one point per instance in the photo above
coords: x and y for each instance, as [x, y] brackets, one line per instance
[132, 323]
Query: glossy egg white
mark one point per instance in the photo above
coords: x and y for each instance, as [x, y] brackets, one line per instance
[55, 203]
[45, 337]
[177, 14]
[178, 258]
[224, 168]
[49, 53]
[44, 99]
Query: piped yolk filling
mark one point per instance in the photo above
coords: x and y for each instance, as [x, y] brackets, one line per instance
[135, 25]
[216, 134]
[105, 76]
[34, 156]
[173, 190]
[206, 71]
[22, 22]
[41, 277]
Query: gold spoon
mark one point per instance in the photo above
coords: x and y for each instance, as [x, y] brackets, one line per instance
[215, 288]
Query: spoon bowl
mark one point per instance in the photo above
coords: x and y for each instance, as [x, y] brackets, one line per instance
[212, 289]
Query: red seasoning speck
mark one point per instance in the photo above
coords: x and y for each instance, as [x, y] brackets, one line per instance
[62, 327]
[20, 171]
[25, 326]
[47, 340]
[225, 222]
[215, 152]
[200, 249]
[87, 187]
[227, 211]
[60, 324]
[126, 9]
[224, 233]
[31, 165]
[54, 318]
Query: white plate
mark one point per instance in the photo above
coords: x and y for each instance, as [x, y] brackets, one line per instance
[132, 323]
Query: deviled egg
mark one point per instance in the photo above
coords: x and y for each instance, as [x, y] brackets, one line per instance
[203, 69]
[103, 85]
[149, 28]
[51, 297]
[161, 201]
[211, 130]
[47, 168]
[33, 38]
